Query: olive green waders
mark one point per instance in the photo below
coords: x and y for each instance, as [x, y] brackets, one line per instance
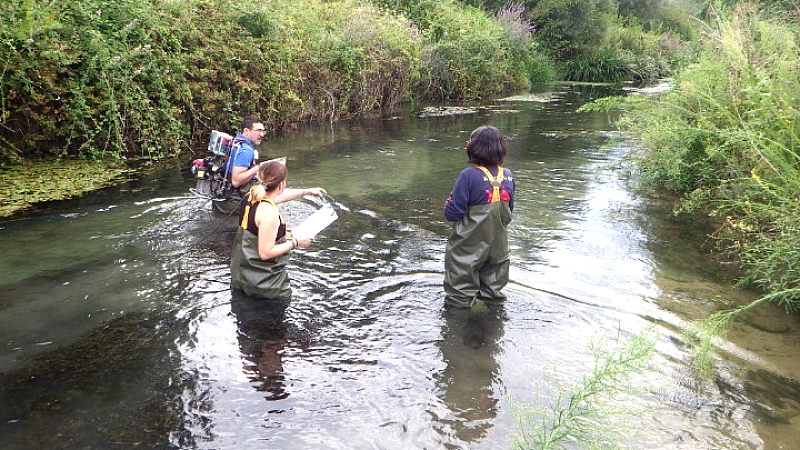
[229, 205]
[254, 276]
[476, 261]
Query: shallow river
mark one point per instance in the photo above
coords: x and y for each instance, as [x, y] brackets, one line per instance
[119, 330]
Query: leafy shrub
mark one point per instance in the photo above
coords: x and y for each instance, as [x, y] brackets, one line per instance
[727, 139]
[469, 55]
[539, 66]
[85, 77]
[103, 78]
[530, 63]
[571, 29]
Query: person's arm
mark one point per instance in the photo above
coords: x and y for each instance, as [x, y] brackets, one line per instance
[240, 176]
[268, 220]
[457, 203]
[289, 194]
[242, 168]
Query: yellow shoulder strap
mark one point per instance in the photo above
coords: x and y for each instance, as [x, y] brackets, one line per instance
[496, 182]
[246, 215]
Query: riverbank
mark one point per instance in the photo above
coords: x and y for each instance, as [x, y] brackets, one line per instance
[100, 79]
[25, 186]
[726, 141]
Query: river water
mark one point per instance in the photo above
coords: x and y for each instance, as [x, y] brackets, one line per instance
[119, 330]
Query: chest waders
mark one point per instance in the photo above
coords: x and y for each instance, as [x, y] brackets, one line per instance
[476, 261]
[254, 276]
[234, 198]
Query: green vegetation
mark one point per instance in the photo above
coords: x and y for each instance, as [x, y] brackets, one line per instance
[590, 412]
[108, 79]
[24, 186]
[727, 140]
[610, 41]
[469, 54]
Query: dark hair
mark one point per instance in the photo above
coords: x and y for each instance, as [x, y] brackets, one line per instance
[270, 175]
[249, 121]
[486, 146]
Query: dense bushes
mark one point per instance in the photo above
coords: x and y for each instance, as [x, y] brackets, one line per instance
[104, 78]
[80, 77]
[728, 140]
[121, 78]
[468, 54]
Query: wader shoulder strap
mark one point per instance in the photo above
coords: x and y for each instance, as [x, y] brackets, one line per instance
[246, 216]
[495, 182]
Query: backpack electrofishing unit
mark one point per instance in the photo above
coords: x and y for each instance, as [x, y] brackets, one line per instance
[211, 173]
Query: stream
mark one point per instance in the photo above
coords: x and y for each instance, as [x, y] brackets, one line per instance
[119, 329]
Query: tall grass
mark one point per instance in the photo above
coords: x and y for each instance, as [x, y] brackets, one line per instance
[727, 140]
[603, 66]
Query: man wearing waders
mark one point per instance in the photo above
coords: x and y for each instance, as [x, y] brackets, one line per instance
[241, 167]
[476, 259]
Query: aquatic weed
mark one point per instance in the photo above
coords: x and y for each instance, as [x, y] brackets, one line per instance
[590, 412]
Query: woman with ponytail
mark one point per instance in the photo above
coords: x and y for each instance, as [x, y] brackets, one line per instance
[262, 245]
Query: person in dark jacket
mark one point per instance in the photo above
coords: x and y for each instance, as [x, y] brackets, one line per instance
[479, 206]
[262, 244]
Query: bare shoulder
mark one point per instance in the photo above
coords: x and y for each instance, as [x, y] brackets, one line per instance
[266, 213]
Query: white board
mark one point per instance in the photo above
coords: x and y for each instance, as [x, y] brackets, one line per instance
[315, 223]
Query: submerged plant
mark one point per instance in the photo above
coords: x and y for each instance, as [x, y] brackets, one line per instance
[26, 185]
[701, 334]
[592, 411]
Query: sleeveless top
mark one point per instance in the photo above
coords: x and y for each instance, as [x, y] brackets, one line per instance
[247, 219]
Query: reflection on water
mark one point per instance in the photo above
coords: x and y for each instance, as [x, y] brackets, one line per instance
[263, 336]
[469, 346]
[126, 333]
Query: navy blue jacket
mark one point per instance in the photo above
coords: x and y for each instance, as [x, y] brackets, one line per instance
[473, 188]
